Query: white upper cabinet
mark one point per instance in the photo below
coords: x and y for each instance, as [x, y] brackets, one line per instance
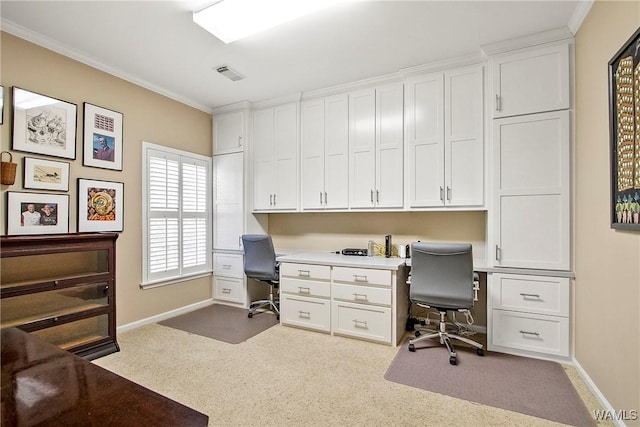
[532, 191]
[445, 138]
[228, 197]
[376, 147]
[531, 81]
[325, 153]
[228, 132]
[275, 158]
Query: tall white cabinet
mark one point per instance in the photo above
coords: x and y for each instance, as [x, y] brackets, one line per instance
[445, 138]
[531, 208]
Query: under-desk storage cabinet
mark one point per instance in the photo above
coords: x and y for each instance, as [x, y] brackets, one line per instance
[305, 292]
[61, 288]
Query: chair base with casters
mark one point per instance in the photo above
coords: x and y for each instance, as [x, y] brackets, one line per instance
[271, 304]
[445, 339]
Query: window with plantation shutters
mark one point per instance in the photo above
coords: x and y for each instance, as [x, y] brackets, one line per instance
[176, 214]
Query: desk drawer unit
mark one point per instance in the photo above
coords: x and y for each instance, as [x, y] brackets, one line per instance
[305, 271]
[531, 294]
[311, 313]
[309, 288]
[229, 289]
[230, 265]
[362, 321]
[362, 294]
[531, 332]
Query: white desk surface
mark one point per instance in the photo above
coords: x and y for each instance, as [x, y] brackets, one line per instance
[339, 260]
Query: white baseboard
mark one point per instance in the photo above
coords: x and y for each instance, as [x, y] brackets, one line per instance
[164, 316]
[596, 392]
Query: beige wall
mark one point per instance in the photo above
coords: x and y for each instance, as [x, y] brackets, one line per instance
[147, 116]
[607, 262]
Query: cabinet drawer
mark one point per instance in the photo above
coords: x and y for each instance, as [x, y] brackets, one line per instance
[362, 321]
[362, 276]
[228, 289]
[306, 271]
[531, 332]
[228, 265]
[533, 294]
[309, 313]
[305, 287]
[361, 294]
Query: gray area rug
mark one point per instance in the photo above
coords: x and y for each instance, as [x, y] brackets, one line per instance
[529, 386]
[222, 323]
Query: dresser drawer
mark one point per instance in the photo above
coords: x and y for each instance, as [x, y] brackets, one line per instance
[228, 289]
[361, 294]
[362, 276]
[312, 313]
[362, 321]
[532, 294]
[228, 265]
[531, 332]
[309, 288]
[305, 271]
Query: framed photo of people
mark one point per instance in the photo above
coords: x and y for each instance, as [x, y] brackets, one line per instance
[37, 213]
[624, 137]
[102, 137]
[43, 125]
[100, 205]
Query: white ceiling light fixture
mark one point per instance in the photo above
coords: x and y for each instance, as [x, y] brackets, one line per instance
[231, 20]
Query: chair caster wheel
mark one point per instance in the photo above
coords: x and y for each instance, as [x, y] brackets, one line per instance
[453, 360]
[480, 351]
[250, 315]
[412, 347]
[417, 334]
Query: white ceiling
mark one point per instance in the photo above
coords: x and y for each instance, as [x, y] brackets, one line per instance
[157, 45]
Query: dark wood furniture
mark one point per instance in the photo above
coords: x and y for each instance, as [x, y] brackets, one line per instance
[44, 385]
[61, 288]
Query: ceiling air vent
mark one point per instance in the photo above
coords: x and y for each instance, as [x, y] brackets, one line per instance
[229, 73]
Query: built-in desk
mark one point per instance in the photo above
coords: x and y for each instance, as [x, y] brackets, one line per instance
[357, 297]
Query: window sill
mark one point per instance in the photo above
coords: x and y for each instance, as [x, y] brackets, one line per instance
[173, 281]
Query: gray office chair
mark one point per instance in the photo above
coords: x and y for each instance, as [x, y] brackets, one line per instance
[260, 264]
[442, 278]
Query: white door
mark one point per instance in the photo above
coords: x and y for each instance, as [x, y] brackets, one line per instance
[228, 132]
[531, 190]
[336, 152]
[389, 191]
[263, 159]
[312, 146]
[228, 196]
[362, 152]
[286, 156]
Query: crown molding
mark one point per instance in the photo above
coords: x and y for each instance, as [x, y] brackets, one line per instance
[48, 43]
[559, 34]
[445, 64]
[242, 105]
[294, 97]
[351, 86]
[579, 15]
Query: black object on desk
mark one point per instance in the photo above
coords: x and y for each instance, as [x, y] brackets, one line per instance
[355, 252]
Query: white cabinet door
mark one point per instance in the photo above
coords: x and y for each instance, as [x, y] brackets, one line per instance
[362, 148]
[425, 139]
[285, 194]
[336, 152]
[312, 146]
[389, 146]
[263, 164]
[464, 138]
[228, 132]
[228, 196]
[531, 81]
[531, 191]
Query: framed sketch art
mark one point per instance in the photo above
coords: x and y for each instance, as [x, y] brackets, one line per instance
[1, 105]
[100, 205]
[43, 125]
[102, 137]
[37, 213]
[624, 137]
[46, 174]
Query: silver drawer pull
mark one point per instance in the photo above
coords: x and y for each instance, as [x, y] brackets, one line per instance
[530, 295]
[530, 333]
[360, 297]
[360, 323]
[304, 314]
[305, 273]
[304, 290]
[226, 290]
[359, 278]
[226, 266]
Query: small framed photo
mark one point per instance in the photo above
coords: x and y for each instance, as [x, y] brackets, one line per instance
[43, 125]
[1, 105]
[100, 205]
[46, 174]
[37, 213]
[102, 138]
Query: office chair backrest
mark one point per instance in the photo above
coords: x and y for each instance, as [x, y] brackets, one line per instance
[442, 274]
[259, 257]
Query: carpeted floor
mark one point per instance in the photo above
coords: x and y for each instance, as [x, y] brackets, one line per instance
[223, 323]
[291, 377]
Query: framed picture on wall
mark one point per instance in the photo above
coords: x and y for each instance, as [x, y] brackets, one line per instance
[100, 205]
[37, 213]
[1, 105]
[43, 125]
[624, 136]
[46, 174]
[102, 138]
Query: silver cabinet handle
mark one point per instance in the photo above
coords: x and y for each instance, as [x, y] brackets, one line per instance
[442, 194]
[448, 193]
[378, 196]
[270, 199]
[304, 314]
[226, 290]
[304, 290]
[371, 196]
[530, 295]
[530, 333]
[321, 197]
[226, 266]
[360, 297]
[325, 197]
[274, 200]
[305, 273]
[498, 253]
[359, 278]
[360, 323]
[498, 103]
[240, 141]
